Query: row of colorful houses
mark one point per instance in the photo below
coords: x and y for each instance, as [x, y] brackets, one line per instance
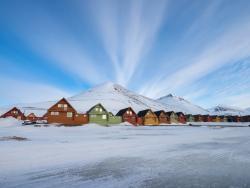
[63, 112]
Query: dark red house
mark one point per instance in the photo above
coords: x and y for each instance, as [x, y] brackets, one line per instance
[128, 115]
[181, 117]
[15, 113]
[206, 118]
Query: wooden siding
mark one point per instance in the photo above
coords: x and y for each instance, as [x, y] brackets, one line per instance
[63, 113]
[15, 113]
[148, 118]
[128, 115]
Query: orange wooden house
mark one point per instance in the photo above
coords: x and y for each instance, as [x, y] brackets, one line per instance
[147, 117]
[128, 115]
[15, 113]
[64, 113]
[163, 118]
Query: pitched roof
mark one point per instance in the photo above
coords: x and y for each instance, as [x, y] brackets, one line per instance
[158, 113]
[143, 112]
[179, 113]
[99, 104]
[124, 110]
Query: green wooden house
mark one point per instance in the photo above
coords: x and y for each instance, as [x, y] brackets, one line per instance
[173, 117]
[99, 115]
[190, 118]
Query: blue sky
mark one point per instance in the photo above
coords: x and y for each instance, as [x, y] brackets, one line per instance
[199, 50]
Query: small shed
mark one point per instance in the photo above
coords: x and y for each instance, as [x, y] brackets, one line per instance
[147, 117]
[163, 118]
[128, 115]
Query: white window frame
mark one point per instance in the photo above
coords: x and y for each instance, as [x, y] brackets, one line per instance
[69, 114]
[104, 116]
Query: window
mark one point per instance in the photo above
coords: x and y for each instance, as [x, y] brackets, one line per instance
[59, 105]
[14, 112]
[54, 113]
[128, 112]
[100, 109]
[96, 109]
[93, 116]
[65, 106]
[69, 114]
[104, 117]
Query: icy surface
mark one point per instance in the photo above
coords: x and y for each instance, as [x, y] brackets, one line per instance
[123, 156]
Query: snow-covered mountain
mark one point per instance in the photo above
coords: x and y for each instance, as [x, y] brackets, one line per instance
[227, 110]
[179, 104]
[113, 97]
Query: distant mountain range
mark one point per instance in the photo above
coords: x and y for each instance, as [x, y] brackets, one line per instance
[228, 110]
[115, 97]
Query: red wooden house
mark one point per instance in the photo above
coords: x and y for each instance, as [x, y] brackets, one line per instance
[64, 113]
[206, 118]
[198, 118]
[245, 118]
[181, 117]
[128, 115]
[15, 113]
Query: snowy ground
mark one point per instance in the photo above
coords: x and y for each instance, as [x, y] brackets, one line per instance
[123, 156]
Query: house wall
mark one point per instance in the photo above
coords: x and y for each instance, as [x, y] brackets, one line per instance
[150, 119]
[114, 119]
[98, 115]
[174, 118]
[182, 119]
[15, 113]
[163, 119]
[190, 119]
[31, 117]
[62, 118]
[129, 118]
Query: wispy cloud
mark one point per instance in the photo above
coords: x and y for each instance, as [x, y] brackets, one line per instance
[232, 45]
[128, 39]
